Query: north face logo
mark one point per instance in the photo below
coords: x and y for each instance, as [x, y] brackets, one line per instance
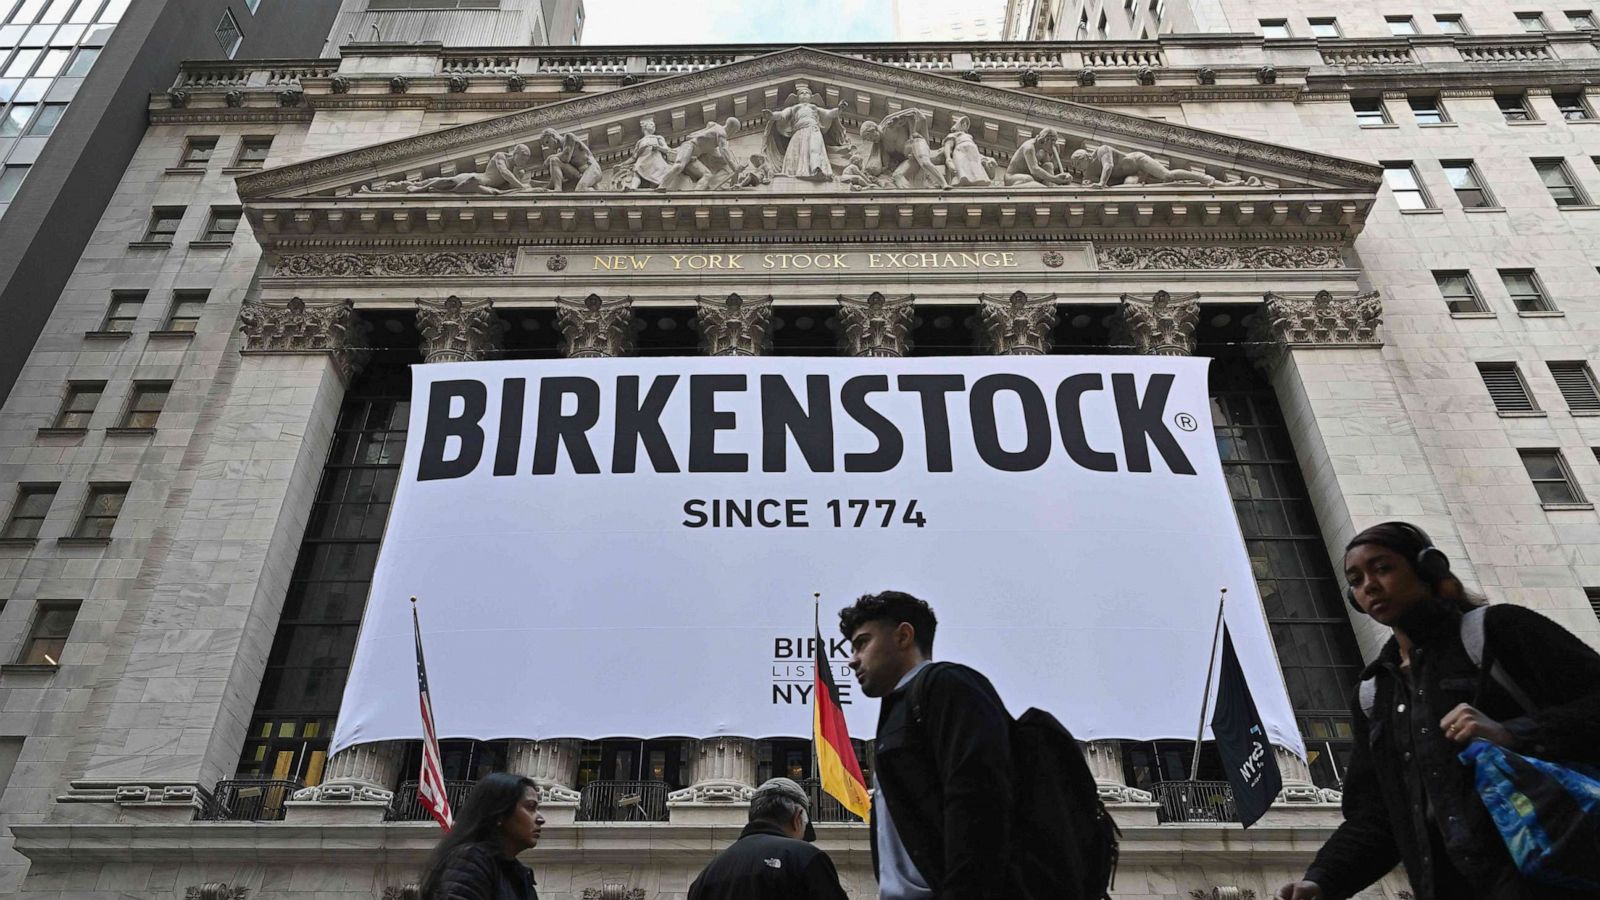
[775, 863]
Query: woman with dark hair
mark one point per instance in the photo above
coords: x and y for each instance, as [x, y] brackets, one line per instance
[1452, 673]
[477, 860]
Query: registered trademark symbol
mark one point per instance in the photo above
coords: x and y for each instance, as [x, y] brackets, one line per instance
[1186, 422]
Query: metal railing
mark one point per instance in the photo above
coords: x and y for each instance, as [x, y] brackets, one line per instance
[250, 800]
[623, 801]
[824, 808]
[407, 806]
[1194, 801]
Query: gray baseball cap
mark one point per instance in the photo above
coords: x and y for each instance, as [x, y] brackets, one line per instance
[788, 787]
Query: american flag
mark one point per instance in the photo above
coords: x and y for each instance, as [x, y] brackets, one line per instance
[430, 783]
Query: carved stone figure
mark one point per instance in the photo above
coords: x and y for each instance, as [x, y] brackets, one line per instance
[800, 133]
[759, 172]
[594, 327]
[499, 176]
[1106, 166]
[903, 149]
[650, 157]
[962, 158]
[1037, 162]
[876, 326]
[704, 158]
[855, 174]
[568, 162]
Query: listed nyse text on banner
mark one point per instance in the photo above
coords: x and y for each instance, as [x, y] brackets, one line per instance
[628, 547]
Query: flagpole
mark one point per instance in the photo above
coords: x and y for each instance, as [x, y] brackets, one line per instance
[816, 765]
[1205, 698]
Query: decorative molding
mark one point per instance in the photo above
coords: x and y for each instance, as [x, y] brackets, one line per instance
[1267, 75]
[572, 84]
[1163, 325]
[1287, 256]
[234, 98]
[343, 792]
[718, 790]
[556, 263]
[516, 84]
[613, 891]
[1053, 259]
[1206, 75]
[291, 97]
[1223, 892]
[411, 891]
[876, 325]
[454, 330]
[594, 327]
[1112, 792]
[1028, 79]
[399, 84]
[1146, 76]
[339, 84]
[1086, 78]
[1321, 319]
[1018, 325]
[177, 99]
[459, 83]
[395, 265]
[215, 890]
[735, 326]
[328, 326]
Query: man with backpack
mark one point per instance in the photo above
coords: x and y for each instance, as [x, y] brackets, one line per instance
[968, 804]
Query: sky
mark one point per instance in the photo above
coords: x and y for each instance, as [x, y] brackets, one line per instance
[669, 23]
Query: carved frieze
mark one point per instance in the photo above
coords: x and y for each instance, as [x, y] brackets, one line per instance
[1320, 319]
[299, 327]
[735, 326]
[594, 327]
[875, 325]
[411, 891]
[456, 330]
[1135, 256]
[215, 890]
[1163, 325]
[396, 265]
[613, 891]
[1018, 325]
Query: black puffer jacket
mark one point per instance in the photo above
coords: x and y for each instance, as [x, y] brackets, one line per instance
[479, 872]
[1408, 798]
[766, 864]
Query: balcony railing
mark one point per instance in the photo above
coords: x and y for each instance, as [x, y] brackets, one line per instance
[407, 806]
[250, 800]
[823, 807]
[623, 801]
[1194, 801]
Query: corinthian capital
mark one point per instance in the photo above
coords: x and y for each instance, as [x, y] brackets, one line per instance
[1321, 319]
[1018, 325]
[735, 326]
[295, 326]
[1162, 325]
[456, 330]
[594, 327]
[875, 325]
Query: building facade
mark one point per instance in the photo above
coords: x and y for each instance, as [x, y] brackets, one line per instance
[1386, 245]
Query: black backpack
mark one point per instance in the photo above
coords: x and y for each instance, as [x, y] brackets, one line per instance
[1063, 840]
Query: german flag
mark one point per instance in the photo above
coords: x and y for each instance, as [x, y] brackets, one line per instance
[837, 766]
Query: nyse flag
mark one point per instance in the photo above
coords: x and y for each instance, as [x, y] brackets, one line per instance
[1242, 741]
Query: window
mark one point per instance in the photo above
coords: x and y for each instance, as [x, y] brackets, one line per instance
[1577, 385]
[1459, 293]
[228, 34]
[1369, 110]
[197, 152]
[52, 624]
[1275, 28]
[1572, 105]
[1400, 26]
[44, 124]
[1557, 179]
[1514, 107]
[1402, 181]
[1451, 24]
[16, 119]
[1551, 478]
[145, 406]
[1506, 387]
[78, 408]
[10, 180]
[22, 63]
[164, 222]
[1328, 28]
[186, 309]
[1525, 290]
[1581, 20]
[1532, 21]
[1427, 109]
[100, 513]
[1594, 593]
[253, 152]
[82, 62]
[27, 514]
[53, 61]
[122, 313]
[223, 223]
[1464, 180]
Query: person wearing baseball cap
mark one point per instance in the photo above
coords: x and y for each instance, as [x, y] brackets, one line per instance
[773, 859]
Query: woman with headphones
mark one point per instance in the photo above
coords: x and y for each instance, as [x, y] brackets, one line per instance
[1448, 675]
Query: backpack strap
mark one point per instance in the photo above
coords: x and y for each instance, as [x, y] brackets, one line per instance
[1474, 639]
[919, 691]
[1367, 693]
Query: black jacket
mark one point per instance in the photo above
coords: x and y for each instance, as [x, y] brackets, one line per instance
[948, 782]
[479, 872]
[1402, 764]
[766, 864]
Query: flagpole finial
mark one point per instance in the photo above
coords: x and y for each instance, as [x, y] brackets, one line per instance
[413, 601]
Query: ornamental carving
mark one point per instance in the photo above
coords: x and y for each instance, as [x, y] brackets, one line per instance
[613, 891]
[456, 330]
[1321, 319]
[339, 84]
[516, 84]
[735, 326]
[556, 263]
[215, 890]
[1164, 325]
[177, 99]
[291, 97]
[459, 83]
[395, 265]
[593, 327]
[1146, 76]
[1214, 257]
[402, 892]
[876, 325]
[1086, 78]
[1018, 325]
[572, 84]
[1053, 259]
[1223, 892]
[1206, 75]
[715, 790]
[1267, 75]
[399, 84]
[328, 326]
[1028, 79]
[234, 98]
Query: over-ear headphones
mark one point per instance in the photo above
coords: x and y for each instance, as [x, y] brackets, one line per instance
[1430, 562]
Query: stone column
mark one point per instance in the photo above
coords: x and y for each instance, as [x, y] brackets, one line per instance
[552, 764]
[1018, 325]
[365, 772]
[593, 328]
[1164, 325]
[456, 330]
[735, 326]
[875, 325]
[724, 771]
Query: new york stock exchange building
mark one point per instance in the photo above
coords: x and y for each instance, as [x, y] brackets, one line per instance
[1384, 247]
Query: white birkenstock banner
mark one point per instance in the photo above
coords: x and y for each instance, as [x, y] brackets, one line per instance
[629, 547]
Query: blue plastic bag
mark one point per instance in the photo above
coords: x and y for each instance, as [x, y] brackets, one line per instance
[1548, 815]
